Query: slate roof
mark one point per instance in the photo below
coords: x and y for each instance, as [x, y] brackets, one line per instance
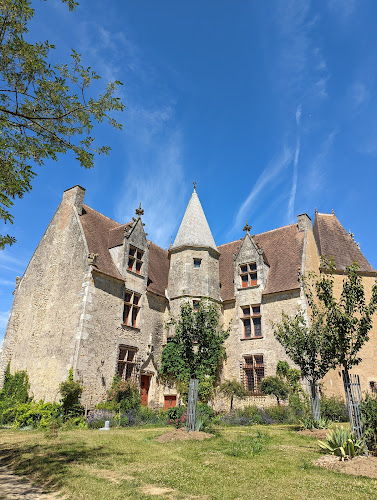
[194, 230]
[102, 233]
[334, 242]
[282, 251]
[97, 228]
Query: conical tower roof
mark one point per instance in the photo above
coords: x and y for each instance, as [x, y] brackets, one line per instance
[194, 230]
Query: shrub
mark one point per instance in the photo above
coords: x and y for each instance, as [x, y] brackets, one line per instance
[369, 412]
[96, 418]
[15, 391]
[204, 410]
[36, 415]
[333, 409]
[124, 395]
[309, 422]
[71, 392]
[342, 443]
[279, 414]
[16, 387]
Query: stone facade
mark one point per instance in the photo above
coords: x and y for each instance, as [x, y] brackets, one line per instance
[97, 294]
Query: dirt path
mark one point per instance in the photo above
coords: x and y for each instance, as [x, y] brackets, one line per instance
[16, 487]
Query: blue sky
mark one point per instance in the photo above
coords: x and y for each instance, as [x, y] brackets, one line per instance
[271, 107]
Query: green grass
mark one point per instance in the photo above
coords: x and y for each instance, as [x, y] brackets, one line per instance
[238, 463]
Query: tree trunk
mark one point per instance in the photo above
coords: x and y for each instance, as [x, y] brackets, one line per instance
[314, 401]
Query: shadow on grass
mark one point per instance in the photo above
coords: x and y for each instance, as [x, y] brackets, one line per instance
[48, 463]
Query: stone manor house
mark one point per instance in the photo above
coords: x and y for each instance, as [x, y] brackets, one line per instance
[96, 295]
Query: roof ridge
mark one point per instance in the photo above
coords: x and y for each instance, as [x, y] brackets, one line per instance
[276, 229]
[229, 243]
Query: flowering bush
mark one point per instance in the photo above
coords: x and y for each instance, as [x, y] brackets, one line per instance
[96, 418]
[124, 395]
[179, 422]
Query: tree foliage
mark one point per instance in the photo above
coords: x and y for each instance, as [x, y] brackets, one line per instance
[197, 349]
[233, 389]
[44, 110]
[349, 318]
[275, 386]
[15, 388]
[71, 391]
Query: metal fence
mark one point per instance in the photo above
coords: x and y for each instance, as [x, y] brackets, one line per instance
[192, 404]
[352, 389]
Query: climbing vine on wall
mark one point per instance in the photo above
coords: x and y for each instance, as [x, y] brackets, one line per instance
[197, 349]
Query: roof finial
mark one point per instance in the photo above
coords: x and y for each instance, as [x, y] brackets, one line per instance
[332, 211]
[139, 211]
[316, 210]
[247, 228]
[194, 185]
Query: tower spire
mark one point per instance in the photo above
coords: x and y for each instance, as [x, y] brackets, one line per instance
[194, 230]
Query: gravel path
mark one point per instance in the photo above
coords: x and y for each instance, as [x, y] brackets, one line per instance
[16, 487]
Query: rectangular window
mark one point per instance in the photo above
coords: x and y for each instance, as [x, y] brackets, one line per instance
[131, 308]
[195, 305]
[126, 362]
[252, 324]
[249, 275]
[197, 263]
[253, 370]
[135, 261]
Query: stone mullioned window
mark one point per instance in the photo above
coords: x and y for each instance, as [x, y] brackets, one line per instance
[252, 322]
[252, 373]
[135, 256]
[131, 308]
[249, 275]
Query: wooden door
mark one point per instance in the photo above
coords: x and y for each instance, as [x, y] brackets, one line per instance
[145, 381]
[170, 401]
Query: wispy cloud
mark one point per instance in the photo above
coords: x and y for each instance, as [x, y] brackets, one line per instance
[11, 263]
[292, 197]
[4, 316]
[155, 173]
[319, 164]
[266, 182]
[7, 282]
[342, 9]
[359, 94]
[303, 71]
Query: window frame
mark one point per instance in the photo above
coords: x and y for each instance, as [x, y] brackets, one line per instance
[128, 371]
[247, 271]
[135, 259]
[253, 373]
[197, 262]
[253, 316]
[132, 306]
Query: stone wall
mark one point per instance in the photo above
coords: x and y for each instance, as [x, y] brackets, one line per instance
[45, 317]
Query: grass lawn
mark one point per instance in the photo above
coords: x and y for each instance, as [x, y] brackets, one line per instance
[238, 463]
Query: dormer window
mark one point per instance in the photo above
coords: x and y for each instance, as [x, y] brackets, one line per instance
[135, 259]
[197, 263]
[249, 275]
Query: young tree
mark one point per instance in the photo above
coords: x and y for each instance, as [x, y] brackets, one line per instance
[349, 318]
[308, 345]
[275, 386]
[338, 327]
[197, 349]
[233, 389]
[44, 110]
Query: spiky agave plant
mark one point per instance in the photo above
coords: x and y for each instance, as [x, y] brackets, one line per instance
[343, 443]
